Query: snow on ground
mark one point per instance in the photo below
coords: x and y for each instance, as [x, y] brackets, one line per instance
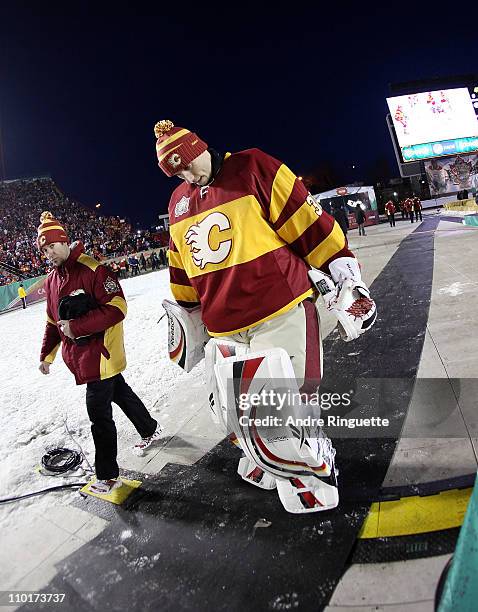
[34, 406]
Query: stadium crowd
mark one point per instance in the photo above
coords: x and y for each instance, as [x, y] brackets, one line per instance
[21, 204]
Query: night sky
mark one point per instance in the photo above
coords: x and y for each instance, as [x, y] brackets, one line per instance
[80, 92]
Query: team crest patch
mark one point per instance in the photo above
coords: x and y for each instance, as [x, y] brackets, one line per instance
[111, 285]
[198, 238]
[175, 160]
[181, 207]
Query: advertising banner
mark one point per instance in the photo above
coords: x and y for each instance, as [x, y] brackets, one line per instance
[452, 174]
[9, 298]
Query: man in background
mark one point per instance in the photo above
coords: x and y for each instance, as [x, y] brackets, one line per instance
[22, 295]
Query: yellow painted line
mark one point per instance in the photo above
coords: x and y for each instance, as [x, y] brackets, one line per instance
[413, 515]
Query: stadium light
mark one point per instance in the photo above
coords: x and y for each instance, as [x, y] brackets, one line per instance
[98, 206]
[300, 178]
[395, 193]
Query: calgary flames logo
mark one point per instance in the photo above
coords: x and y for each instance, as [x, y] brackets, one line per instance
[174, 160]
[199, 239]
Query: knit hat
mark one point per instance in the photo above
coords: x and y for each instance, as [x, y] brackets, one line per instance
[50, 230]
[176, 147]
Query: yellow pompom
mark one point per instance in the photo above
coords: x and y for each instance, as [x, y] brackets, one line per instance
[162, 127]
[46, 216]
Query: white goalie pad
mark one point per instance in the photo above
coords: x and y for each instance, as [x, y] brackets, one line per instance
[261, 404]
[349, 301]
[217, 350]
[187, 335]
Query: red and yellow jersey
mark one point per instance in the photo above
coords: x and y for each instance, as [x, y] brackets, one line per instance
[390, 207]
[242, 246]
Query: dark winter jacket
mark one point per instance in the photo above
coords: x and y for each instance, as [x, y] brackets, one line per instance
[103, 356]
[342, 219]
[359, 215]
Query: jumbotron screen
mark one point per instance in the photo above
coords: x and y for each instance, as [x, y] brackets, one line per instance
[435, 123]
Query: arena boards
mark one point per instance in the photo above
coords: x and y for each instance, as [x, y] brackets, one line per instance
[205, 540]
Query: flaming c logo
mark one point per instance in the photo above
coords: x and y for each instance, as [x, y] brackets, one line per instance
[199, 239]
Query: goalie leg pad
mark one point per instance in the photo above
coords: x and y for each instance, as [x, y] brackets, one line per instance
[216, 352]
[250, 391]
[187, 335]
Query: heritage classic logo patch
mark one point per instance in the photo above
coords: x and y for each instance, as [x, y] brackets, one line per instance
[200, 237]
[181, 207]
[111, 285]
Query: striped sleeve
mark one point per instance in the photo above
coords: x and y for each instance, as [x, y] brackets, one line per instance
[51, 339]
[297, 218]
[181, 288]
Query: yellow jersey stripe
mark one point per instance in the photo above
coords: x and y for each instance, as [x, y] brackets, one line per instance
[114, 344]
[281, 189]
[171, 139]
[206, 238]
[51, 356]
[88, 261]
[296, 225]
[50, 320]
[175, 260]
[283, 310]
[120, 303]
[183, 293]
[331, 245]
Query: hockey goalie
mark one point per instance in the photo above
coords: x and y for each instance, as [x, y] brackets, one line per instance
[253, 258]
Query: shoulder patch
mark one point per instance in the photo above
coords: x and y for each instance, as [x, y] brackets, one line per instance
[111, 285]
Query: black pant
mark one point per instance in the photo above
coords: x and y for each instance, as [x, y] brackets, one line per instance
[99, 395]
[24, 303]
[391, 218]
[411, 216]
[418, 213]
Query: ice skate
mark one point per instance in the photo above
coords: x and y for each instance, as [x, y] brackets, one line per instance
[313, 493]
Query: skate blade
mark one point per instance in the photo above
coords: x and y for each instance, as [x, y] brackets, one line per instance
[117, 496]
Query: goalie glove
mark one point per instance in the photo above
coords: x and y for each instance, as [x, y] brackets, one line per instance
[346, 296]
[187, 335]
